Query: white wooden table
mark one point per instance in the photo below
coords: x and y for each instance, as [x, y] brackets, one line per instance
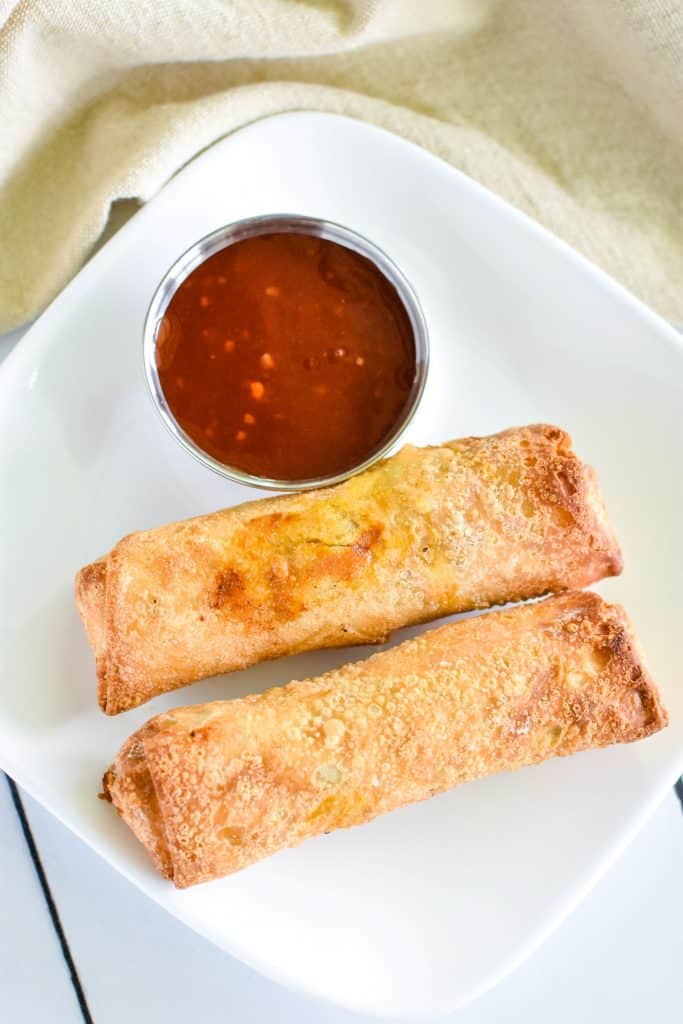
[78, 942]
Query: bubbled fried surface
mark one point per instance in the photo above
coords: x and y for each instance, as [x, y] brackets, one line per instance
[430, 532]
[235, 781]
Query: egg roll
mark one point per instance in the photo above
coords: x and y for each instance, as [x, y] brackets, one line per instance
[213, 788]
[429, 532]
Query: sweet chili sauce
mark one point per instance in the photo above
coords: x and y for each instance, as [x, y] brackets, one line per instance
[287, 356]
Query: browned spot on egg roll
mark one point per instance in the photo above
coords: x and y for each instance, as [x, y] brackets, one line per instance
[426, 533]
[213, 788]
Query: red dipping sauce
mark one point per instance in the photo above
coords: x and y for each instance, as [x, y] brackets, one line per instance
[287, 356]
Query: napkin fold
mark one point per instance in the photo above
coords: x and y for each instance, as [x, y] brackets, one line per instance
[571, 111]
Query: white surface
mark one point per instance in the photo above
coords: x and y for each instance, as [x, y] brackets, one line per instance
[420, 910]
[29, 948]
[617, 959]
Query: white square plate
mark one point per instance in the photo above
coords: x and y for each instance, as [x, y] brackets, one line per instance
[423, 909]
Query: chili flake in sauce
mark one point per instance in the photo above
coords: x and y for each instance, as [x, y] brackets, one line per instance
[287, 356]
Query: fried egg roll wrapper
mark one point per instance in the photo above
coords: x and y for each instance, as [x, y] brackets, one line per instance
[429, 532]
[212, 788]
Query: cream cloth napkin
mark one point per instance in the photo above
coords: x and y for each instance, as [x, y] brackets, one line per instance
[570, 109]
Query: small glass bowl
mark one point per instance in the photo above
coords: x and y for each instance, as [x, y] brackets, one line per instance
[281, 223]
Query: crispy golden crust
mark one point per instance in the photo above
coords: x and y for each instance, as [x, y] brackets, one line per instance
[135, 792]
[228, 783]
[429, 532]
[91, 590]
